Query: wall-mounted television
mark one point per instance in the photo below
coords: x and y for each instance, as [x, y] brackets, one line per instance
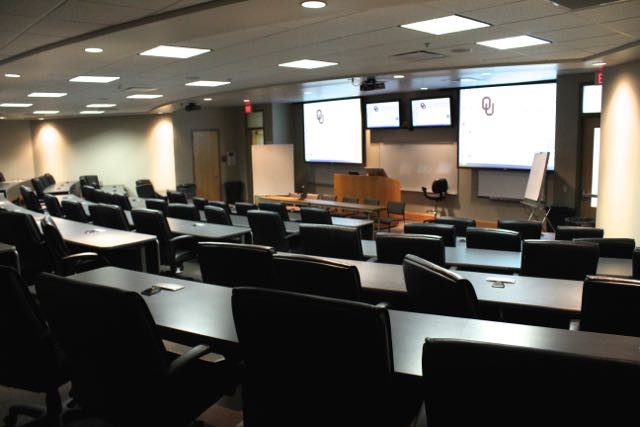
[502, 127]
[428, 112]
[333, 131]
[382, 115]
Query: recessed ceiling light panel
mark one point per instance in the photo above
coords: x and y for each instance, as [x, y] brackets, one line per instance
[46, 112]
[93, 50]
[92, 112]
[101, 105]
[94, 79]
[174, 52]
[446, 25]
[47, 94]
[513, 42]
[15, 105]
[143, 96]
[12, 76]
[307, 64]
[207, 83]
[313, 4]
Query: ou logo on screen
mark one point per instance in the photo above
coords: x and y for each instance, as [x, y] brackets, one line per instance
[320, 116]
[488, 105]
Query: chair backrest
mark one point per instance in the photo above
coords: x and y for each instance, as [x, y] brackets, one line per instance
[102, 196]
[461, 380]
[612, 247]
[120, 200]
[199, 202]
[440, 186]
[331, 241]
[176, 197]
[243, 207]
[27, 348]
[446, 231]
[223, 205]
[635, 262]
[91, 180]
[461, 224]
[235, 264]
[20, 230]
[392, 247]
[56, 244]
[329, 197]
[309, 356]
[315, 215]
[396, 208]
[146, 191]
[38, 185]
[350, 199]
[268, 229]
[527, 229]
[53, 205]
[119, 361]
[493, 238]
[74, 211]
[184, 211]
[151, 221]
[30, 199]
[610, 305]
[436, 290]
[216, 215]
[89, 193]
[48, 179]
[278, 207]
[570, 232]
[143, 181]
[111, 216]
[158, 205]
[316, 276]
[559, 259]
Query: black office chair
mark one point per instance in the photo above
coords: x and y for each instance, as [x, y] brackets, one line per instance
[333, 241]
[120, 200]
[317, 361]
[122, 372]
[610, 305]
[111, 216]
[174, 250]
[2, 179]
[461, 224]
[268, 229]
[31, 359]
[635, 262]
[216, 215]
[102, 196]
[53, 205]
[91, 180]
[158, 205]
[316, 276]
[392, 247]
[535, 386]
[89, 193]
[184, 211]
[176, 197]
[235, 264]
[74, 211]
[559, 259]
[200, 203]
[527, 229]
[277, 207]
[243, 207]
[65, 262]
[493, 238]
[30, 198]
[446, 231]
[20, 230]
[48, 179]
[570, 232]
[439, 189]
[436, 290]
[223, 205]
[38, 186]
[611, 247]
[391, 220]
[315, 215]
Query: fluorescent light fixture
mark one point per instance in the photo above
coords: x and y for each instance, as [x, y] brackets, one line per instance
[513, 42]
[424, 88]
[307, 64]
[41, 118]
[308, 93]
[93, 50]
[398, 76]
[207, 83]
[91, 112]
[93, 79]
[207, 99]
[12, 75]
[15, 105]
[143, 96]
[47, 94]
[101, 105]
[446, 25]
[46, 112]
[2, 117]
[247, 100]
[313, 4]
[174, 52]
[599, 64]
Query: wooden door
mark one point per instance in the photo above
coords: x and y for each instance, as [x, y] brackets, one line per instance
[590, 140]
[206, 163]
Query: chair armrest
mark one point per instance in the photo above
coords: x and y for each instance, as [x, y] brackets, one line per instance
[184, 360]
[81, 256]
[181, 238]
[292, 235]
[574, 324]
[383, 304]
[372, 259]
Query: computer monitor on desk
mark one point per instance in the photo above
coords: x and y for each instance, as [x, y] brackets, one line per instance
[375, 172]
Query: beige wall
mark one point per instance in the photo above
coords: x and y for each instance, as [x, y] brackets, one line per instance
[117, 149]
[16, 152]
[618, 201]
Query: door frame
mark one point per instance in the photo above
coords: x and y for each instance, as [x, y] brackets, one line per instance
[193, 158]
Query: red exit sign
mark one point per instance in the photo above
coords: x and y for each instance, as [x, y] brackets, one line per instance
[599, 77]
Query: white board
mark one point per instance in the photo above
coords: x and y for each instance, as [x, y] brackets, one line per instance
[418, 165]
[503, 185]
[272, 166]
[533, 191]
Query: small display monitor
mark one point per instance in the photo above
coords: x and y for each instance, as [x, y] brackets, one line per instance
[431, 112]
[383, 115]
[375, 172]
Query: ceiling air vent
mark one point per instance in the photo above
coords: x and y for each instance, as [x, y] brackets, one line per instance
[418, 55]
[583, 4]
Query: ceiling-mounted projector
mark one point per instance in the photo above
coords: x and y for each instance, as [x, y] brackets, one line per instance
[192, 106]
[371, 84]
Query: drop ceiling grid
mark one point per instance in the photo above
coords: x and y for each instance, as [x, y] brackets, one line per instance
[514, 12]
[97, 13]
[457, 6]
[629, 26]
[613, 12]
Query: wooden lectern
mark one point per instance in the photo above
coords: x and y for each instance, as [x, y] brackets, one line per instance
[381, 188]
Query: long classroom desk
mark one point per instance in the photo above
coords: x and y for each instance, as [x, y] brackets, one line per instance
[11, 189]
[373, 210]
[201, 313]
[364, 225]
[60, 188]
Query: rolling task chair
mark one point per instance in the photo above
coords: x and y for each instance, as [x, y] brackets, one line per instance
[176, 197]
[216, 215]
[157, 205]
[91, 180]
[569, 232]
[268, 229]
[20, 230]
[31, 201]
[277, 207]
[439, 189]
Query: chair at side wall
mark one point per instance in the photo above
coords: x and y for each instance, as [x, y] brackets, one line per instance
[394, 209]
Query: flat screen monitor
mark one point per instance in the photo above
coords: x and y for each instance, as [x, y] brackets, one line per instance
[431, 112]
[502, 127]
[333, 131]
[382, 115]
[375, 172]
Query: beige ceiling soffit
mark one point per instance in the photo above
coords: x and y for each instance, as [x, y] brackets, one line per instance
[612, 51]
[36, 22]
[123, 26]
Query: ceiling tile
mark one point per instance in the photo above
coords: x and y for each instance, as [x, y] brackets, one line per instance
[456, 6]
[515, 12]
[54, 27]
[585, 32]
[548, 23]
[146, 4]
[600, 43]
[630, 26]
[612, 12]
[96, 13]
[34, 8]
[15, 23]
